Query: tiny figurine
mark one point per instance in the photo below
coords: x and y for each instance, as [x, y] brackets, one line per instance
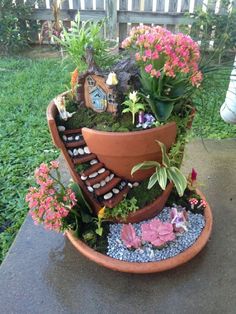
[61, 106]
[179, 220]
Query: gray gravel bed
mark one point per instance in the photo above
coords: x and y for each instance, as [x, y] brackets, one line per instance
[147, 253]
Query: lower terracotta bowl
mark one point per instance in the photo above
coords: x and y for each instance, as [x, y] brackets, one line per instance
[149, 267]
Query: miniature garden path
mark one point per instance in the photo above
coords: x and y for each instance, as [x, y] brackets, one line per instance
[106, 188]
[43, 273]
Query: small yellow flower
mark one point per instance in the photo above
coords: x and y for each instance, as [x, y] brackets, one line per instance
[133, 97]
[101, 212]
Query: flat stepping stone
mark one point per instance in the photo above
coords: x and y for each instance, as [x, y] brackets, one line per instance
[98, 178]
[92, 169]
[108, 187]
[74, 131]
[85, 158]
[75, 144]
[116, 199]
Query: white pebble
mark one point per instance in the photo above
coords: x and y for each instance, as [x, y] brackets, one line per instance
[70, 152]
[96, 186]
[135, 184]
[93, 162]
[130, 185]
[77, 137]
[81, 151]
[103, 182]
[70, 138]
[101, 170]
[61, 128]
[108, 196]
[107, 179]
[115, 191]
[83, 178]
[75, 152]
[64, 138]
[86, 150]
[90, 189]
[93, 175]
[111, 176]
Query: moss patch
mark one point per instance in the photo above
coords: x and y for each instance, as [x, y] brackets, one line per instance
[143, 195]
[85, 117]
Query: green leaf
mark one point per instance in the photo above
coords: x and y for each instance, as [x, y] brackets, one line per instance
[153, 180]
[163, 109]
[165, 158]
[99, 231]
[178, 179]
[125, 110]
[162, 177]
[145, 165]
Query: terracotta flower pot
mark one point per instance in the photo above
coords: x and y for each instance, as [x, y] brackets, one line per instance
[149, 267]
[120, 151]
[149, 211]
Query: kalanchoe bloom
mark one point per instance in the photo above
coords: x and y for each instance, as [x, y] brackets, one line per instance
[48, 204]
[179, 220]
[129, 237]
[158, 233]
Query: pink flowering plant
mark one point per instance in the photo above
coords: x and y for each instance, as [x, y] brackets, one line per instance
[51, 203]
[168, 64]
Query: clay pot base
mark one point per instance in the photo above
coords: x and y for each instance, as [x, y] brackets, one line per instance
[148, 267]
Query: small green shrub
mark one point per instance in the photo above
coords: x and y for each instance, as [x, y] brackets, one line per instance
[123, 209]
[15, 27]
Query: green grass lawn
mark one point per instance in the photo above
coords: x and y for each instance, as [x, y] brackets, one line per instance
[26, 87]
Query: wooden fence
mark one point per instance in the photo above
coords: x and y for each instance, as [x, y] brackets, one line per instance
[122, 14]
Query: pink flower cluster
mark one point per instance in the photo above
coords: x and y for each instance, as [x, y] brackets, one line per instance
[156, 232]
[161, 52]
[48, 204]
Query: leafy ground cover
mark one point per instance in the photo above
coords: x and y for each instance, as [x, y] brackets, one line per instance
[26, 87]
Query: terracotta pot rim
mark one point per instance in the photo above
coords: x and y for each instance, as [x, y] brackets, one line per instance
[148, 267]
[143, 131]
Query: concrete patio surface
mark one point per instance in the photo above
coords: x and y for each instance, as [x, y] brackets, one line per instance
[43, 273]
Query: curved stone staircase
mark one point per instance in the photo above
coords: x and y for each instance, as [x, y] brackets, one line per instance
[104, 186]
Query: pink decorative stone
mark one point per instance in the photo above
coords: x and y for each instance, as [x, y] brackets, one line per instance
[129, 237]
[158, 233]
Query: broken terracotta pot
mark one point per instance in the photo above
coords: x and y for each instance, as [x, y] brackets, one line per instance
[148, 267]
[121, 151]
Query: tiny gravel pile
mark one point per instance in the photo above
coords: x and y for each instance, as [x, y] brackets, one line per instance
[147, 253]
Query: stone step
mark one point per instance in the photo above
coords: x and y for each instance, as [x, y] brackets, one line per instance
[116, 198]
[74, 131]
[83, 159]
[98, 178]
[94, 168]
[108, 187]
[75, 144]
